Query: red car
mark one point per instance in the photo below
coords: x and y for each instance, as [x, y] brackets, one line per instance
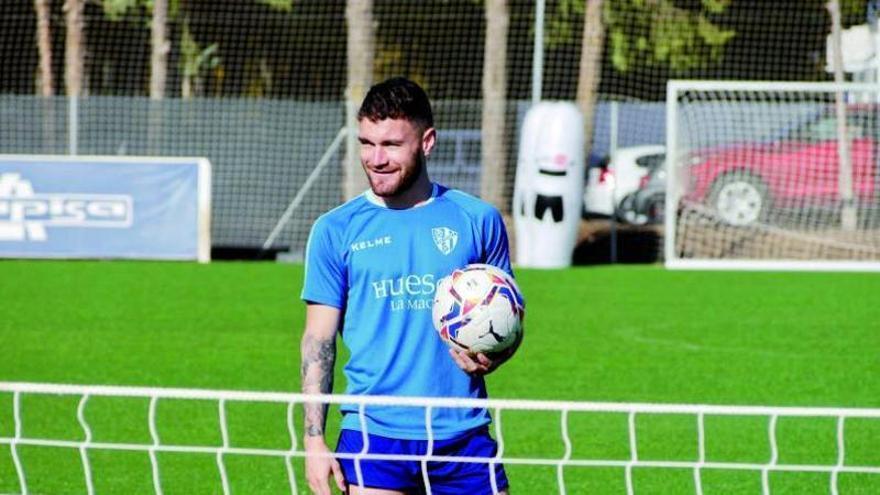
[746, 183]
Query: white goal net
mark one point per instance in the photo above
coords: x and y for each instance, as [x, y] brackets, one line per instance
[773, 175]
[845, 440]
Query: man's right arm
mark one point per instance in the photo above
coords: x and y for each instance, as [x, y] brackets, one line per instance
[318, 351]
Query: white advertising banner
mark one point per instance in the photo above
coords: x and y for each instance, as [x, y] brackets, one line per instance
[105, 207]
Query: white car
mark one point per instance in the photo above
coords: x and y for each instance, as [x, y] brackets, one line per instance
[618, 177]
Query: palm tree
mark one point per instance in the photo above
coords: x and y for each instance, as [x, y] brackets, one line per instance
[361, 51]
[590, 67]
[160, 47]
[158, 72]
[494, 153]
[45, 83]
[74, 48]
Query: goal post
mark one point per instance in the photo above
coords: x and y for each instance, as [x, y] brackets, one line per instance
[766, 176]
[846, 440]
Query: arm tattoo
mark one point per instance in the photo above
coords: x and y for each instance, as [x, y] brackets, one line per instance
[318, 358]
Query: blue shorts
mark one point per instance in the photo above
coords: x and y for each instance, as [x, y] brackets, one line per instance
[451, 478]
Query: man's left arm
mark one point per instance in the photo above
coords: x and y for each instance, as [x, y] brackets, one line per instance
[496, 248]
[496, 251]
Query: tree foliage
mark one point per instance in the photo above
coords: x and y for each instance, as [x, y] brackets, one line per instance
[116, 9]
[679, 35]
[281, 5]
[854, 11]
[297, 49]
[202, 53]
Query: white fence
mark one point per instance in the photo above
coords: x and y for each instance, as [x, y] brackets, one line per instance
[497, 407]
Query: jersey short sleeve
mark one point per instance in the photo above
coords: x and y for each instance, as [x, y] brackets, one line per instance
[497, 250]
[325, 277]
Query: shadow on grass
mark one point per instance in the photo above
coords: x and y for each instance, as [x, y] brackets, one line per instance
[598, 241]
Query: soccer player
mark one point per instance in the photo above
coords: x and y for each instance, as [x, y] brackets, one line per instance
[372, 265]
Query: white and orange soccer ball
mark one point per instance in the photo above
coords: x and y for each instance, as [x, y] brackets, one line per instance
[479, 308]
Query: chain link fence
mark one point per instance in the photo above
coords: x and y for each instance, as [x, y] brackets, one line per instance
[259, 86]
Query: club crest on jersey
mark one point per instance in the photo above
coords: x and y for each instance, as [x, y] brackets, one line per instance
[445, 239]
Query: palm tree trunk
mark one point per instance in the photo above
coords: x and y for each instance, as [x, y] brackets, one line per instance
[160, 47]
[45, 83]
[494, 152]
[74, 51]
[45, 80]
[188, 54]
[590, 67]
[158, 74]
[360, 51]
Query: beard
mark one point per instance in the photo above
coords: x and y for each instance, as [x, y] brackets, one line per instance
[405, 180]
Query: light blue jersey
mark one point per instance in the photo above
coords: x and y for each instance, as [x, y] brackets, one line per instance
[380, 267]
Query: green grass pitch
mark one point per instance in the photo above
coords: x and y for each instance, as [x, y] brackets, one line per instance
[624, 333]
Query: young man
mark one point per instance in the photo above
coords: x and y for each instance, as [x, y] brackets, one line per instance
[372, 265]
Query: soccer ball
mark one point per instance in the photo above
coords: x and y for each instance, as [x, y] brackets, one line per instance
[479, 308]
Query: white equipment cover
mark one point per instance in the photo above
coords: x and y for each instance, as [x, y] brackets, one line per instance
[861, 49]
[548, 194]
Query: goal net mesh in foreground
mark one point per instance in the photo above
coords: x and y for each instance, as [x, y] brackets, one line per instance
[834, 446]
[773, 175]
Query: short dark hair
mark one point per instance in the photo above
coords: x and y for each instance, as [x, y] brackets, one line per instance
[397, 98]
